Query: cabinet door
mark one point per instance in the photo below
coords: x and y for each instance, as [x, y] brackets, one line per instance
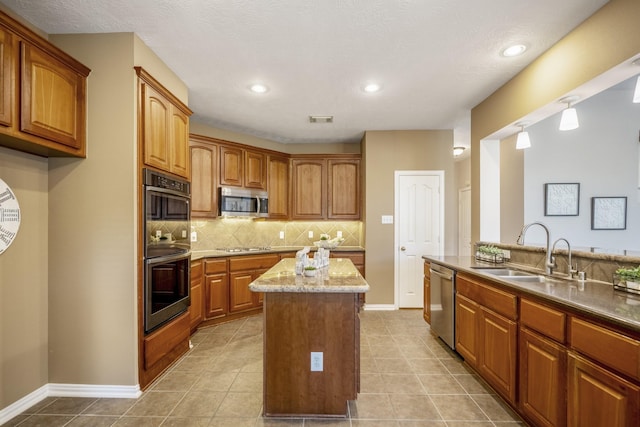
[179, 143]
[53, 98]
[343, 180]
[278, 184]
[7, 68]
[258, 297]
[241, 297]
[497, 357]
[309, 188]
[197, 303]
[543, 379]
[467, 333]
[204, 165]
[155, 125]
[599, 398]
[255, 170]
[231, 166]
[217, 295]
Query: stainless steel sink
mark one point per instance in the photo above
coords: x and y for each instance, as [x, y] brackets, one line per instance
[506, 272]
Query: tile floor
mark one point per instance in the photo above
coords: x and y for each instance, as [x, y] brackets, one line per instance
[408, 379]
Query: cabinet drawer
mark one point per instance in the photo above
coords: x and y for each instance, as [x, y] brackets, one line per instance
[499, 301]
[213, 266]
[196, 270]
[243, 263]
[161, 342]
[356, 258]
[545, 320]
[611, 348]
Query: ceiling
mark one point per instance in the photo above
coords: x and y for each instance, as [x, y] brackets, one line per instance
[434, 59]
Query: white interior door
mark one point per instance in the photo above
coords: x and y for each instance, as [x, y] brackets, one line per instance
[419, 230]
[464, 222]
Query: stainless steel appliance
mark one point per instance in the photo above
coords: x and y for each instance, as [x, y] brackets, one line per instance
[243, 202]
[167, 248]
[443, 295]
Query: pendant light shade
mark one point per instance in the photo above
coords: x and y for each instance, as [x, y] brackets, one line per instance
[569, 119]
[636, 93]
[523, 140]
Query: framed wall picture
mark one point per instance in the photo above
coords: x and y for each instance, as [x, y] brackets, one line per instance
[608, 213]
[562, 199]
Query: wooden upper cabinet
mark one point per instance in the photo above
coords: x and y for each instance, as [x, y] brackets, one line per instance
[343, 201]
[278, 186]
[255, 170]
[42, 94]
[53, 98]
[7, 67]
[165, 127]
[309, 180]
[231, 166]
[204, 167]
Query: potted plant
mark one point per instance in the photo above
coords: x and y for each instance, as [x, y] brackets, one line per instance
[310, 271]
[630, 276]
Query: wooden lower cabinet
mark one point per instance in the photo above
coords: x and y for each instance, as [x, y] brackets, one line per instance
[467, 329]
[426, 310]
[543, 379]
[197, 294]
[497, 359]
[600, 398]
[216, 287]
[240, 297]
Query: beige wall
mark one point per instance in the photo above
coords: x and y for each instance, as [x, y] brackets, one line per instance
[511, 190]
[608, 38]
[23, 281]
[302, 148]
[92, 226]
[384, 153]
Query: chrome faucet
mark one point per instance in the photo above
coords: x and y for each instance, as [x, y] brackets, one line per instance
[549, 261]
[570, 270]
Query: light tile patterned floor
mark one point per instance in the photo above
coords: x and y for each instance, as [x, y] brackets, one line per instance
[408, 379]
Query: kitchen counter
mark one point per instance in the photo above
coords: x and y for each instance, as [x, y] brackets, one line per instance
[311, 339]
[340, 276]
[219, 253]
[590, 297]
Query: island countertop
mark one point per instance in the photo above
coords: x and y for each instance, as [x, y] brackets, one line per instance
[340, 276]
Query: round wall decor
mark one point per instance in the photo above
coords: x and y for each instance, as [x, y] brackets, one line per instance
[9, 216]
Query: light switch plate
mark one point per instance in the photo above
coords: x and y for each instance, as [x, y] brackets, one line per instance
[311, 234]
[387, 219]
[316, 361]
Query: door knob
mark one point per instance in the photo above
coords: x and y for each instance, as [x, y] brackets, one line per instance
[402, 248]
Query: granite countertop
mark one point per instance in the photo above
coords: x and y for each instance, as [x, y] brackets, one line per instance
[340, 276]
[591, 297]
[219, 253]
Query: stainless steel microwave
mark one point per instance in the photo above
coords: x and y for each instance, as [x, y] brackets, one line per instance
[243, 202]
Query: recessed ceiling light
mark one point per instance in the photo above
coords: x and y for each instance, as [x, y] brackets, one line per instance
[515, 50]
[258, 88]
[372, 88]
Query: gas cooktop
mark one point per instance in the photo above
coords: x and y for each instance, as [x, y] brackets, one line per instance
[249, 249]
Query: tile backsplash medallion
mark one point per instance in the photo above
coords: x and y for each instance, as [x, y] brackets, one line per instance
[239, 232]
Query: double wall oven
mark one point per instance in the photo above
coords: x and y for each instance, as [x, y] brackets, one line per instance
[167, 248]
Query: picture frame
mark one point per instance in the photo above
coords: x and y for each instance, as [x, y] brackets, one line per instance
[562, 199]
[609, 213]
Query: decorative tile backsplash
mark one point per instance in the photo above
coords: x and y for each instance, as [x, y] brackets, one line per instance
[239, 232]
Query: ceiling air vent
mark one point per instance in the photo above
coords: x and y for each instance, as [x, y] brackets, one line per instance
[320, 119]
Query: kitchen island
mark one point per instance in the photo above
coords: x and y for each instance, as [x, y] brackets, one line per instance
[311, 338]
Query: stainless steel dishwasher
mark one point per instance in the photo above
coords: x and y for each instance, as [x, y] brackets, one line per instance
[443, 293]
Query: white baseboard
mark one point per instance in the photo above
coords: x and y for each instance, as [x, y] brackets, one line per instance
[67, 390]
[380, 307]
[87, 390]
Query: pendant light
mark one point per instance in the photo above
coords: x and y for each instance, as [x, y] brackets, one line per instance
[569, 119]
[522, 140]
